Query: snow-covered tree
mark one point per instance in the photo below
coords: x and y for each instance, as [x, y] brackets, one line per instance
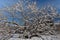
[37, 20]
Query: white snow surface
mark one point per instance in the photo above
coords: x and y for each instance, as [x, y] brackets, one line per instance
[45, 37]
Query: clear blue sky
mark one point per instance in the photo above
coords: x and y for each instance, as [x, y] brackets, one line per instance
[4, 3]
[55, 3]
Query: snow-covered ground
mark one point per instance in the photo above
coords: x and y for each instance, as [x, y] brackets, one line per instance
[45, 37]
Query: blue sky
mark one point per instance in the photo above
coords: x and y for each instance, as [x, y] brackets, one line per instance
[4, 3]
[55, 3]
